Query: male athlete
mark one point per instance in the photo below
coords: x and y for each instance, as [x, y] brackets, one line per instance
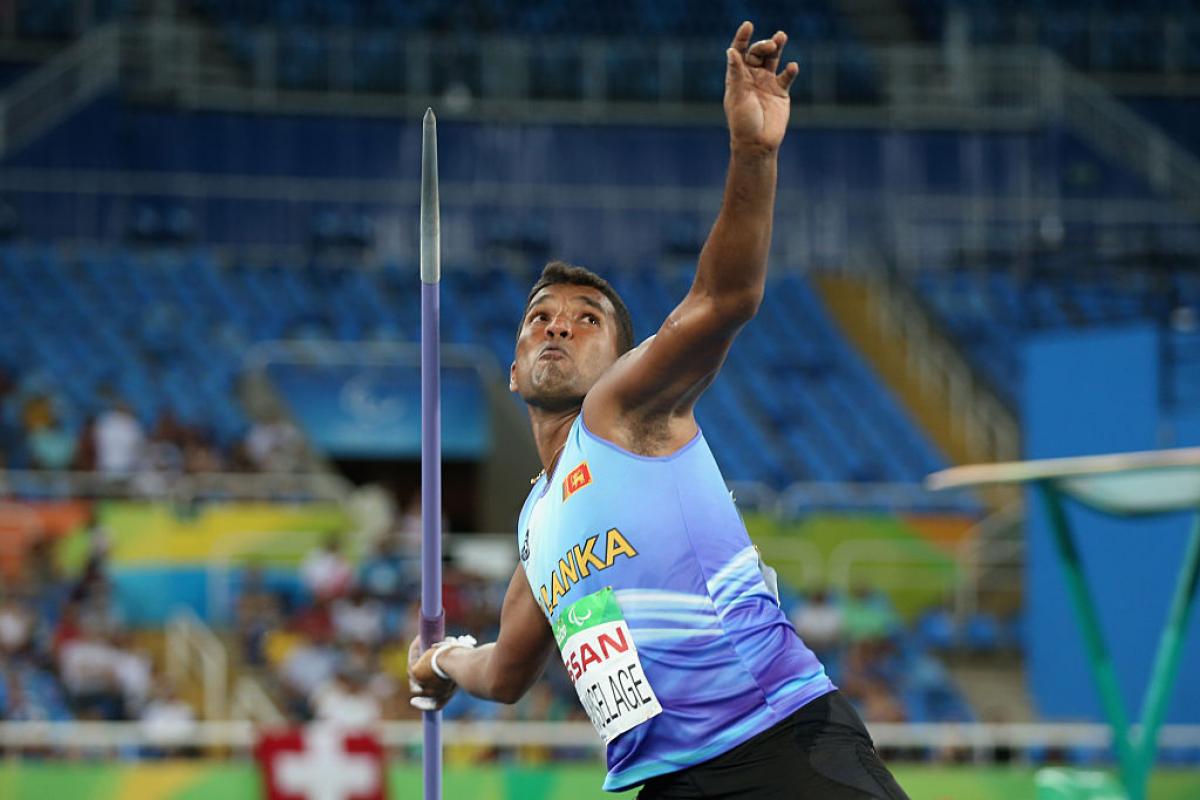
[634, 560]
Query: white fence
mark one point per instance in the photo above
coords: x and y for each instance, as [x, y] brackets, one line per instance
[238, 738]
[194, 652]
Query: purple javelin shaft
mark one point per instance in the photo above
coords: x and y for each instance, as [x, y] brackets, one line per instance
[433, 623]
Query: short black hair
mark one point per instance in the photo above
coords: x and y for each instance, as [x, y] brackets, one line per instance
[560, 272]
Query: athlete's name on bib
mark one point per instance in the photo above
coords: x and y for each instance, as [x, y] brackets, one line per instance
[602, 661]
[579, 561]
[619, 694]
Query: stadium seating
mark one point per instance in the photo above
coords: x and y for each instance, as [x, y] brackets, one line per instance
[819, 165]
[796, 400]
[809, 19]
[168, 331]
[989, 313]
[1104, 37]
[62, 19]
[379, 57]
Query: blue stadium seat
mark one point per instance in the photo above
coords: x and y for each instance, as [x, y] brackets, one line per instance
[982, 633]
[936, 629]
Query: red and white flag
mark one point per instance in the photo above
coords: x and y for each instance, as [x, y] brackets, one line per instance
[321, 762]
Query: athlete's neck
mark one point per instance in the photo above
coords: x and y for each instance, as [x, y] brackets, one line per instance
[550, 429]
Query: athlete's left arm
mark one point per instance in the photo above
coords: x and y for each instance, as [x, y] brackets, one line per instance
[666, 374]
[503, 670]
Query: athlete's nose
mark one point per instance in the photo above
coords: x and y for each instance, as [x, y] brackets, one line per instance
[560, 326]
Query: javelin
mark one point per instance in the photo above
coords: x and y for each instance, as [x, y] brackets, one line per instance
[433, 623]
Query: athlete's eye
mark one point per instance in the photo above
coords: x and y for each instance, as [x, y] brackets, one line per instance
[592, 318]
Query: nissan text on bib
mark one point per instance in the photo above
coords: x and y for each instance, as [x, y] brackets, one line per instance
[601, 660]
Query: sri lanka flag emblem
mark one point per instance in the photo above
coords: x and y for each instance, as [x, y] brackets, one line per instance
[576, 479]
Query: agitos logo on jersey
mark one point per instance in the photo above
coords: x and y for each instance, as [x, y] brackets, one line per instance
[576, 479]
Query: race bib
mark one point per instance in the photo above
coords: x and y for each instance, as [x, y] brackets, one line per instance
[602, 662]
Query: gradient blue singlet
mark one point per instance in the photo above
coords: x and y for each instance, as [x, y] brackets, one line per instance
[722, 658]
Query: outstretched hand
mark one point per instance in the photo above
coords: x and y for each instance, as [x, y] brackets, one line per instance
[756, 93]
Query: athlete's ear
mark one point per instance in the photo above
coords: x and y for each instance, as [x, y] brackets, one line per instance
[512, 377]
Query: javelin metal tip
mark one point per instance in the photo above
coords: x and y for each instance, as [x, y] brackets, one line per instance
[431, 227]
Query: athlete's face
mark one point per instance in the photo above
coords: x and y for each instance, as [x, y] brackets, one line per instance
[567, 340]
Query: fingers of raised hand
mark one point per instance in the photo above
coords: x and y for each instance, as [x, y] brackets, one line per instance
[785, 78]
[766, 52]
[741, 38]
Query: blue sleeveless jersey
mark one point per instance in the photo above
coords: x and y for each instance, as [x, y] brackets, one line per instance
[663, 533]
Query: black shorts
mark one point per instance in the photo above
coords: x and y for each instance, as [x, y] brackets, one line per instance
[821, 752]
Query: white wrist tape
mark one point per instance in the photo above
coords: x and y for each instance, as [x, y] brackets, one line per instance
[448, 643]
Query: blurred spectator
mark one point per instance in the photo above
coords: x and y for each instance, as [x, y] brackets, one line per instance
[16, 627]
[51, 446]
[38, 411]
[258, 613]
[363, 660]
[132, 671]
[867, 679]
[167, 720]
[119, 441]
[200, 453]
[86, 667]
[309, 666]
[169, 430]
[388, 574]
[819, 622]
[315, 621]
[358, 618]
[880, 705]
[325, 572]
[274, 444]
[159, 464]
[162, 453]
[868, 615]
[346, 700]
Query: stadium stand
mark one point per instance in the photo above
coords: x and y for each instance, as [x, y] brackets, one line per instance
[989, 313]
[339, 629]
[1101, 37]
[64, 19]
[177, 350]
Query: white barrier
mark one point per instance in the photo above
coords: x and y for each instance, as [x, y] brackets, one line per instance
[238, 737]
